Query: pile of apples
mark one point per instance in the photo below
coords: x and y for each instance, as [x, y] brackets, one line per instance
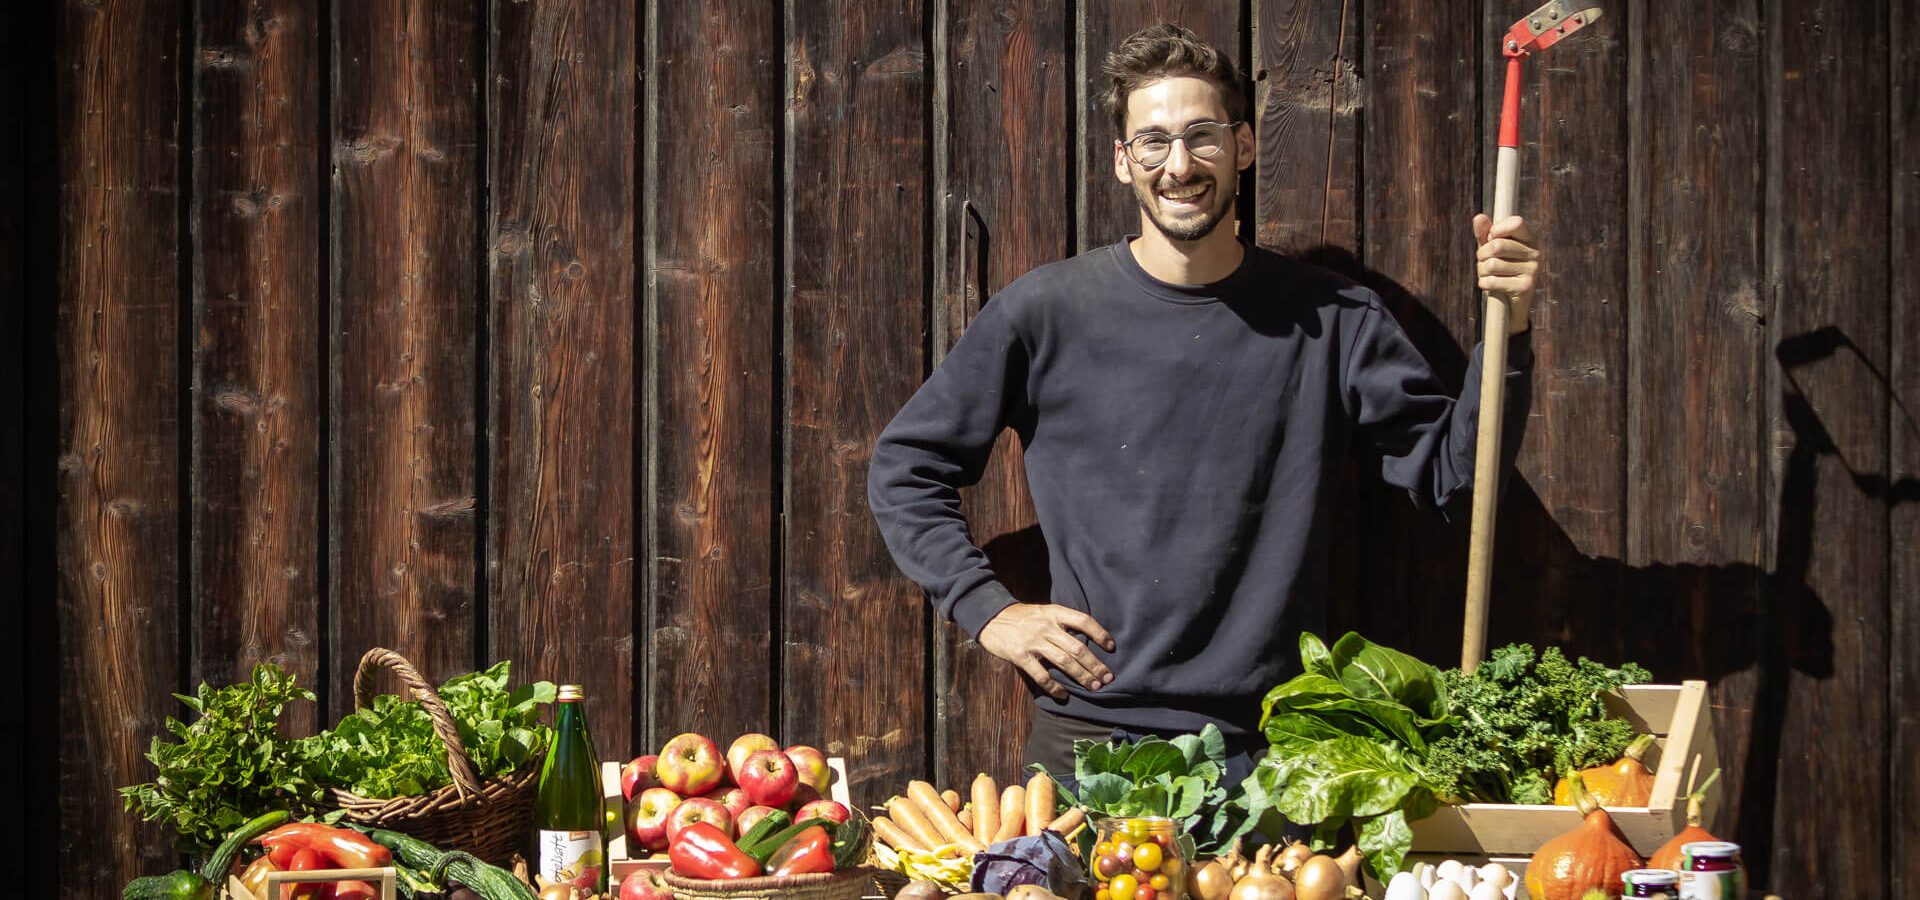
[690, 781]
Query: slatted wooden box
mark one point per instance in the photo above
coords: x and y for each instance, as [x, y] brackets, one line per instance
[1676, 714]
[620, 859]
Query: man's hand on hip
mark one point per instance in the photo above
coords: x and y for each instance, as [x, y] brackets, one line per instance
[1034, 636]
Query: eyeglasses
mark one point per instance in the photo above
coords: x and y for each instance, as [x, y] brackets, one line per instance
[1203, 140]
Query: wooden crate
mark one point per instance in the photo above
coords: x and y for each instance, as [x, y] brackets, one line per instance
[383, 878]
[620, 860]
[1676, 713]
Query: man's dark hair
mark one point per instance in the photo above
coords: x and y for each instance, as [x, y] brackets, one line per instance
[1165, 50]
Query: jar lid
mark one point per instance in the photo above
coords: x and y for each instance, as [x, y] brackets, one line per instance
[1650, 877]
[1718, 849]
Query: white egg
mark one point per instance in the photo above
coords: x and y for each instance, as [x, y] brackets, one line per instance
[1446, 890]
[1406, 886]
[1487, 891]
[1496, 873]
[1450, 870]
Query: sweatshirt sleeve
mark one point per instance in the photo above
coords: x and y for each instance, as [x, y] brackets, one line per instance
[938, 443]
[1421, 438]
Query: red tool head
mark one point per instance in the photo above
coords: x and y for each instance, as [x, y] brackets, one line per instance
[1546, 26]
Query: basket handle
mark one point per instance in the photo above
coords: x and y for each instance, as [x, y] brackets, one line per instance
[465, 783]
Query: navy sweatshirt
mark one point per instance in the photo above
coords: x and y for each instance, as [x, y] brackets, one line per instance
[1183, 448]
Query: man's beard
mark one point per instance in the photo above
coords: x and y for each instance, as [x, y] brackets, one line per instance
[1218, 199]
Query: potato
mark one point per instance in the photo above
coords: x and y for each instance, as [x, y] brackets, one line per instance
[1032, 892]
[921, 890]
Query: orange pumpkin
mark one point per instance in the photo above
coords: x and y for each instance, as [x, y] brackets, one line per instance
[1590, 857]
[1625, 782]
[1668, 856]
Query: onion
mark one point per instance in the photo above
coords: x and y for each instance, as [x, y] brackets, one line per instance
[1320, 878]
[1349, 863]
[1209, 881]
[1261, 885]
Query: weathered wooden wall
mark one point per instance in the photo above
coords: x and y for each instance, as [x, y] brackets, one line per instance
[560, 332]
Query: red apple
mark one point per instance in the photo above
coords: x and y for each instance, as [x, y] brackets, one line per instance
[734, 798]
[769, 778]
[812, 765]
[689, 765]
[803, 794]
[638, 775]
[640, 886]
[699, 809]
[646, 817]
[751, 817]
[823, 809]
[744, 746]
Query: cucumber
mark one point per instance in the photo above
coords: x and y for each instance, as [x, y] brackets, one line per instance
[851, 843]
[215, 871]
[179, 885]
[491, 882]
[764, 850]
[774, 822]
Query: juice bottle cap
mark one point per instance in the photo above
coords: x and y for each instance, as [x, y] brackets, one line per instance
[572, 693]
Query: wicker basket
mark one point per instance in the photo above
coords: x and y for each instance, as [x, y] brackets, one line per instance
[491, 820]
[887, 883]
[846, 884]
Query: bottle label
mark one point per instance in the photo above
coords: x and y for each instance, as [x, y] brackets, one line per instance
[573, 857]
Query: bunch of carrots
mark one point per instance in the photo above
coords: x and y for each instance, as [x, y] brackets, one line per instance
[927, 819]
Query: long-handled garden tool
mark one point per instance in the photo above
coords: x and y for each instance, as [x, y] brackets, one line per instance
[1539, 30]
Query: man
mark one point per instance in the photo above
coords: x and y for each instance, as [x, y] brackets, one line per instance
[1188, 403]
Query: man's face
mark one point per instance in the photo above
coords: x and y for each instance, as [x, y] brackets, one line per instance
[1185, 196]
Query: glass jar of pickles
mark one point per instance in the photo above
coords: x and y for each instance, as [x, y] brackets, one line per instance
[1138, 859]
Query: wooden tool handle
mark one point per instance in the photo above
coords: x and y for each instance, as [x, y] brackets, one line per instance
[1486, 454]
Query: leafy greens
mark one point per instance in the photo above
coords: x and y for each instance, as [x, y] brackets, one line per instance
[1373, 738]
[233, 762]
[230, 765]
[1179, 779]
[391, 750]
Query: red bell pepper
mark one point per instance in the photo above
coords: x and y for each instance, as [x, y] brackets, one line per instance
[808, 852]
[309, 860]
[703, 851]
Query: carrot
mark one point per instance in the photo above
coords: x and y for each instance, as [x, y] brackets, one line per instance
[1013, 813]
[941, 816]
[951, 798]
[1068, 821]
[986, 808]
[884, 829]
[966, 818]
[1039, 803]
[907, 815]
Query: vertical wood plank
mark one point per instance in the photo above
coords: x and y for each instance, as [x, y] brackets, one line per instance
[1419, 154]
[15, 419]
[1106, 210]
[1308, 91]
[405, 320]
[1827, 266]
[1309, 87]
[1903, 698]
[118, 520]
[560, 539]
[1562, 525]
[716, 91]
[855, 662]
[1007, 72]
[256, 311]
[1697, 522]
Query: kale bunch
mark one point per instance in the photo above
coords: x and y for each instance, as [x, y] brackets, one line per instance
[1523, 723]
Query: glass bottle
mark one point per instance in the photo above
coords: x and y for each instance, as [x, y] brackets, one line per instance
[568, 813]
